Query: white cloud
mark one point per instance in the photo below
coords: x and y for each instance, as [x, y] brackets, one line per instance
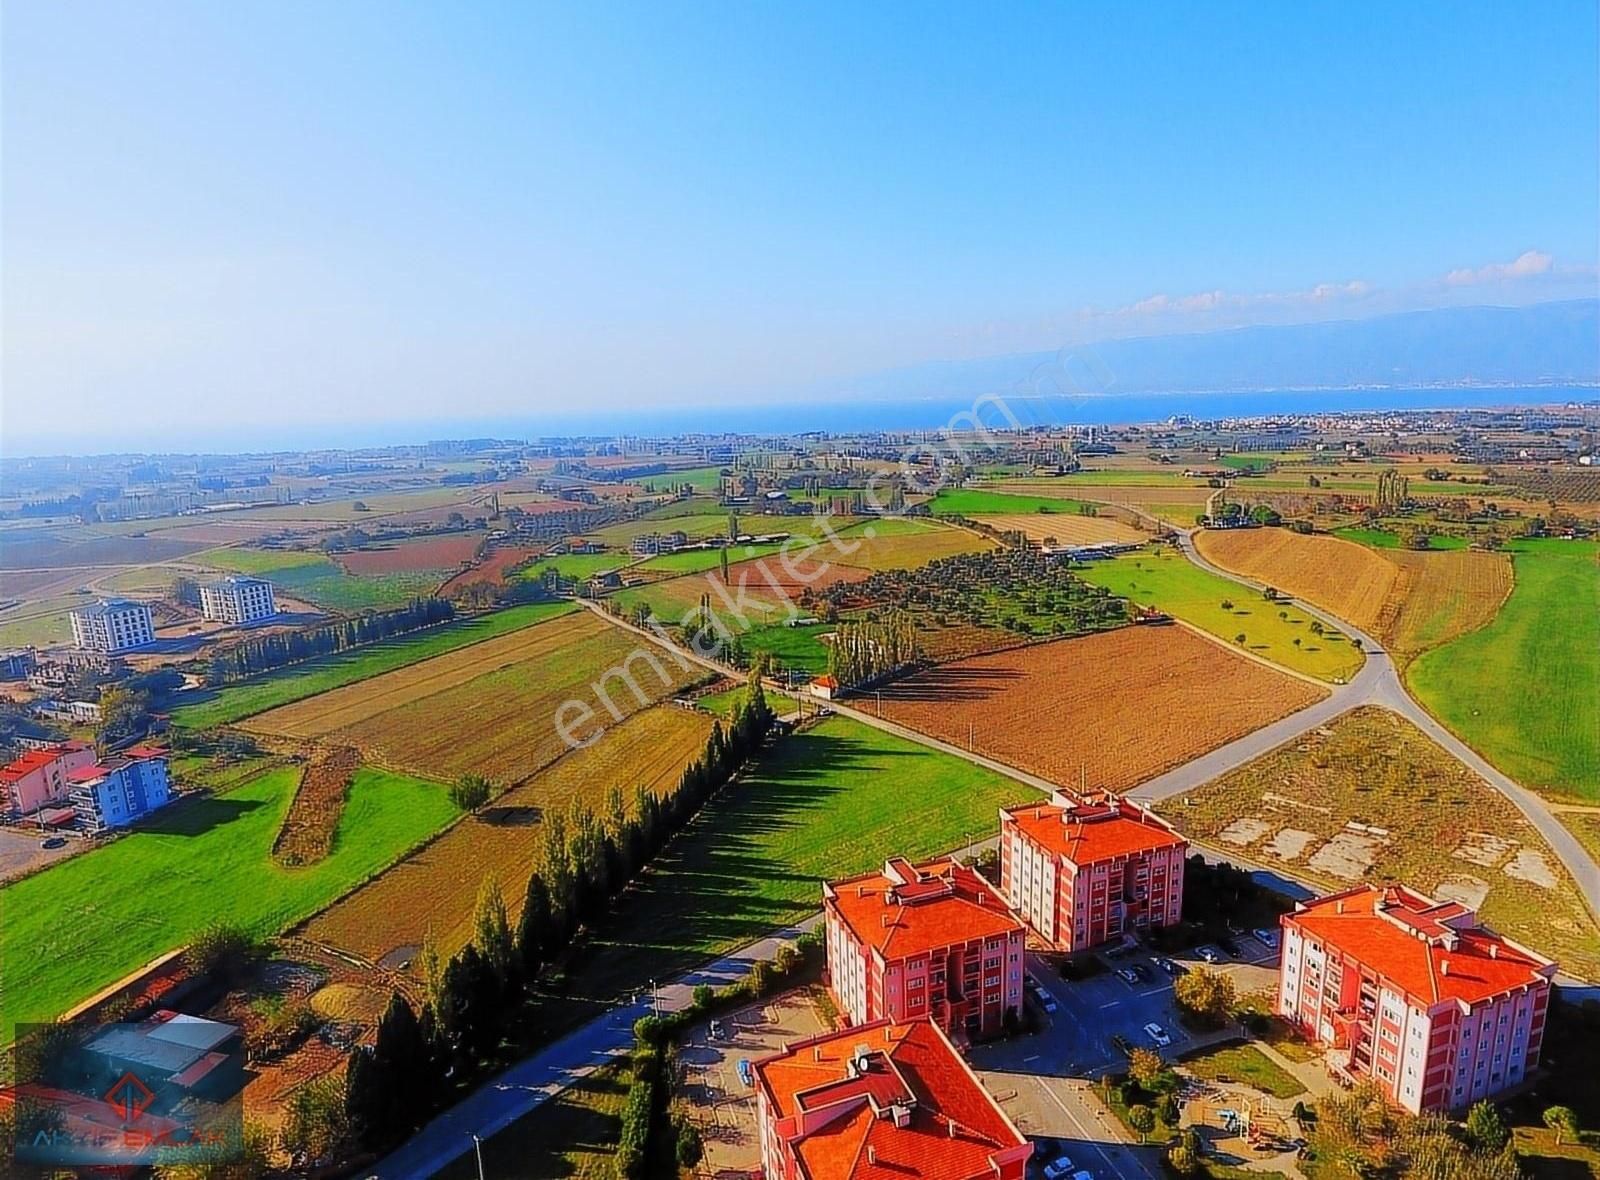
[1528, 264]
[1202, 302]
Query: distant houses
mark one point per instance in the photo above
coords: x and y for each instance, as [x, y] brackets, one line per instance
[112, 625]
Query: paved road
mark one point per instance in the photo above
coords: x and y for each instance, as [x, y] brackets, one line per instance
[1378, 683]
[530, 1083]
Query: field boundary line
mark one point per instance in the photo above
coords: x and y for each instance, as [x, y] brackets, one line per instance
[1326, 686]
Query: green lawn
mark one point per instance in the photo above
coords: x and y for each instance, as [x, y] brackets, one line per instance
[90, 920]
[828, 802]
[1164, 578]
[1523, 690]
[227, 705]
[793, 647]
[1384, 539]
[1245, 1064]
[976, 502]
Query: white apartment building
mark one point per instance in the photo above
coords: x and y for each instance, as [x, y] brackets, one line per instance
[238, 600]
[112, 625]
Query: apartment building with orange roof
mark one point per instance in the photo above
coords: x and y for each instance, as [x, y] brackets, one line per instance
[1415, 994]
[1085, 871]
[882, 1101]
[934, 940]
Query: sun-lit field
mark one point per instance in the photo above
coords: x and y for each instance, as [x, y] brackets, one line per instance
[491, 708]
[1061, 528]
[433, 891]
[900, 543]
[1111, 709]
[1342, 578]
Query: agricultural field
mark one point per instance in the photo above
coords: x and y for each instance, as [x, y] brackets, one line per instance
[319, 580]
[707, 521]
[443, 553]
[1115, 708]
[982, 502]
[1060, 529]
[1409, 599]
[1385, 539]
[698, 561]
[1369, 797]
[762, 589]
[1183, 491]
[1167, 580]
[434, 891]
[792, 647]
[308, 830]
[579, 566]
[900, 543]
[82, 545]
[84, 923]
[1521, 690]
[281, 687]
[489, 708]
[833, 799]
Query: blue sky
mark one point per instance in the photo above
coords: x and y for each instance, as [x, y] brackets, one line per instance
[219, 215]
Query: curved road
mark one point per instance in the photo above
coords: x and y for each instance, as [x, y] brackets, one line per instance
[1378, 683]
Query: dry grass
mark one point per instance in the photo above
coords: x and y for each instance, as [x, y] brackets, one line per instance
[307, 832]
[1341, 577]
[1120, 706]
[1067, 529]
[434, 890]
[1446, 595]
[1371, 767]
[906, 544]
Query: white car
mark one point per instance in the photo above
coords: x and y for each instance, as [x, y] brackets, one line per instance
[1057, 1169]
[1267, 937]
[1157, 1034]
[1209, 953]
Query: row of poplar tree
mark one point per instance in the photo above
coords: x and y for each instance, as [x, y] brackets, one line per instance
[260, 653]
[421, 1058]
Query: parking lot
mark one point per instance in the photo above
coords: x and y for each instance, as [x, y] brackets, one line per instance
[1078, 1038]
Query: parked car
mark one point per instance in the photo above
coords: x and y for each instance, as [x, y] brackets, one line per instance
[1128, 975]
[1158, 1034]
[50, 842]
[1208, 953]
[1058, 1168]
[1171, 966]
[1230, 947]
[1267, 936]
[746, 1074]
[1144, 973]
[716, 1030]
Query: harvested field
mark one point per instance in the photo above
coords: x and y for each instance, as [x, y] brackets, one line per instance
[490, 708]
[1410, 600]
[435, 889]
[1341, 577]
[1194, 492]
[1118, 707]
[1064, 529]
[445, 552]
[905, 544]
[1370, 797]
[307, 833]
[762, 589]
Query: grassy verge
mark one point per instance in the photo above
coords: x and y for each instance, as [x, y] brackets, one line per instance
[1521, 691]
[1167, 580]
[1244, 1064]
[88, 921]
[236, 702]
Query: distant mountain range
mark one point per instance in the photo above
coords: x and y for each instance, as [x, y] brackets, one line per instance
[1555, 344]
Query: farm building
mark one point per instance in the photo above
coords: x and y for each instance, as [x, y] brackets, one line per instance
[238, 600]
[120, 789]
[882, 1099]
[39, 778]
[112, 625]
[1082, 872]
[826, 687]
[932, 940]
[1415, 994]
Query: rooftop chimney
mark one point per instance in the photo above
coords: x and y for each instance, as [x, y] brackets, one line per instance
[1444, 966]
[872, 1154]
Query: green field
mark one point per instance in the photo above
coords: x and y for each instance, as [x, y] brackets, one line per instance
[1523, 690]
[320, 581]
[695, 561]
[576, 565]
[88, 921]
[1167, 580]
[792, 647]
[1383, 539]
[701, 479]
[830, 801]
[975, 502]
[236, 702]
[1246, 462]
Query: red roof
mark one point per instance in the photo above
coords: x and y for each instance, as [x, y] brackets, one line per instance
[28, 763]
[952, 1128]
[911, 909]
[1094, 829]
[1431, 950]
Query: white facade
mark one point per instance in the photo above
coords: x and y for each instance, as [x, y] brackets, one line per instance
[1033, 885]
[112, 625]
[847, 970]
[238, 600]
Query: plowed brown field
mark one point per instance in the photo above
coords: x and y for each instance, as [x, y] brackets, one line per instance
[1116, 708]
[1067, 529]
[489, 708]
[435, 889]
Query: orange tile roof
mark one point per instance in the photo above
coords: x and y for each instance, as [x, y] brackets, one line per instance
[954, 1130]
[1094, 830]
[29, 762]
[1405, 936]
[930, 906]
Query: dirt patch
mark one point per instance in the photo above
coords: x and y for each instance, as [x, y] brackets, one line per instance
[1244, 831]
[1348, 855]
[1531, 866]
[1290, 843]
[1469, 891]
[1484, 849]
[307, 832]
